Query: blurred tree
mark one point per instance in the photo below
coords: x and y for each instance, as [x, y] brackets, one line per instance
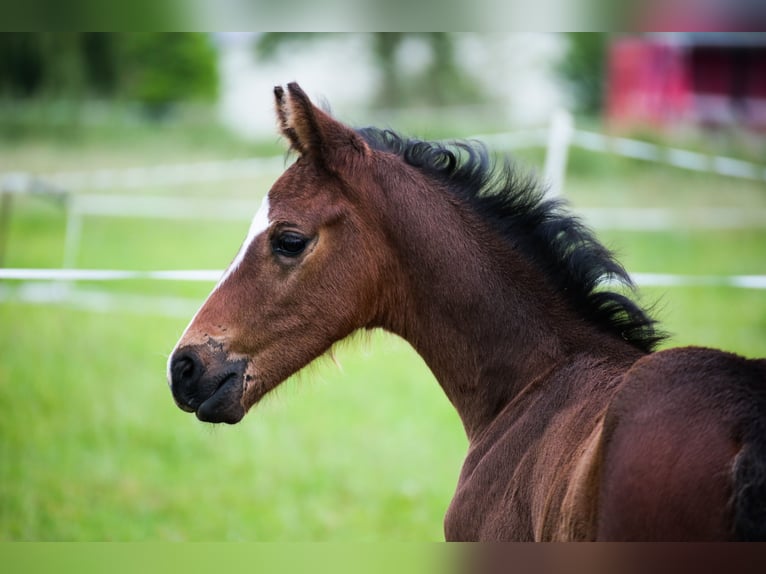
[269, 43]
[41, 62]
[100, 52]
[442, 82]
[445, 83]
[155, 69]
[21, 65]
[64, 64]
[584, 68]
[385, 46]
[160, 70]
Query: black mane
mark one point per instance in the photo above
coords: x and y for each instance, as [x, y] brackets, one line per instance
[557, 242]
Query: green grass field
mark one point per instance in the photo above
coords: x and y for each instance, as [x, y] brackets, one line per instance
[93, 448]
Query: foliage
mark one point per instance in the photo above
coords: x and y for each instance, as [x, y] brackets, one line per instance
[156, 69]
[42, 62]
[441, 82]
[584, 69]
[162, 69]
[269, 43]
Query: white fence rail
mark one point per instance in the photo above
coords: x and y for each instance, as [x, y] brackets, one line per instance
[165, 175]
[25, 286]
[206, 275]
[212, 275]
[681, 158]
[659, 219]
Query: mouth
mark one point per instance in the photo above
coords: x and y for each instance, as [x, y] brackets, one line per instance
[224, 404]
[206, 382]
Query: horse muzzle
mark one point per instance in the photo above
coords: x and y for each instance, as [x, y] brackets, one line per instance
[204, 381]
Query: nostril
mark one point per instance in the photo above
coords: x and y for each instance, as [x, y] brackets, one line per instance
[186, 370]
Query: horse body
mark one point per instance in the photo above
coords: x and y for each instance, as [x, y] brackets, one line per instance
[577, 429]
[647, 451]
[684, 456]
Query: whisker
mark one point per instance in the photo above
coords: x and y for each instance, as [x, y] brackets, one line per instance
[335, 359]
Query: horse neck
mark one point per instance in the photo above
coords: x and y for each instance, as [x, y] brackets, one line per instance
[483, 336]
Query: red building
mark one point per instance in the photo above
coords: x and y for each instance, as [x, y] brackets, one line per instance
[708, 79]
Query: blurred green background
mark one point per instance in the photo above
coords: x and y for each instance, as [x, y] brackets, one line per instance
[91, 444]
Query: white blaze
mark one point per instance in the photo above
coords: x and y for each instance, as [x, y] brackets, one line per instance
[259, 224]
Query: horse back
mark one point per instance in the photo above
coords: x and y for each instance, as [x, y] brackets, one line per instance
[684, 449]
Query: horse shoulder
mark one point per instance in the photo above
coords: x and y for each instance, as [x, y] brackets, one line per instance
[534, 474]
[577, 519]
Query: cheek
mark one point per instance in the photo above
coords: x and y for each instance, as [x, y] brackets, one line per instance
[308, 303]
[345, 286]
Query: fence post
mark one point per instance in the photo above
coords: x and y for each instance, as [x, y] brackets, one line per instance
[559, 138]
[73, 233]
[5, 222]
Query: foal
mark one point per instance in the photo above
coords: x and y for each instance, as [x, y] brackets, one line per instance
[578, 430]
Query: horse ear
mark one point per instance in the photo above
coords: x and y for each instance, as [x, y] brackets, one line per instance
[311, 131]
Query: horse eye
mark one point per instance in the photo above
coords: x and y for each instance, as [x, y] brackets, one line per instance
[289, 244]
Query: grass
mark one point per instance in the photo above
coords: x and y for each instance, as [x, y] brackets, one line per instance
[93, 448]
[96, 449]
